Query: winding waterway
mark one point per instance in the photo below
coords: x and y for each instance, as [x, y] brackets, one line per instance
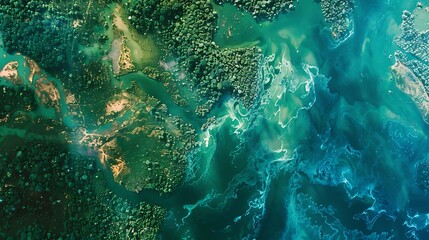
[329, 150]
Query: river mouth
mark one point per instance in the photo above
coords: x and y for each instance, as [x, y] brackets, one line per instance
[335, 145]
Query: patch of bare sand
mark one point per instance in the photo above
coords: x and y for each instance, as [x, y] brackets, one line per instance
[411, 85]
[115, 55]
[120, 55]
[116, 106]
[143, 50]
[10, 72]
[34, 69]
[48, 93]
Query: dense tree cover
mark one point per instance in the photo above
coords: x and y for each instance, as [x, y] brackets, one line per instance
[50, 193]
[16, 99]
[262, 9]
[29, 27]
[43, 30]
[155, 15]
[186, 29]
[337, 13]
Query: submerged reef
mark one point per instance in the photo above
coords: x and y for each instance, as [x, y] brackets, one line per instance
[422, 175]
[223, 119]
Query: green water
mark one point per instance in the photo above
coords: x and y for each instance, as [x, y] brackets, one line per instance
[157, 90]
[330, 151]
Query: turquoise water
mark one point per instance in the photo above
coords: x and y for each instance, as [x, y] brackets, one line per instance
[329, 151]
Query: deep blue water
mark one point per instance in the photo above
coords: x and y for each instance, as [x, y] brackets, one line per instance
[331, 150]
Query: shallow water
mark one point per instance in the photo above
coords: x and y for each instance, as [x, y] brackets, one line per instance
[332, 148]
[328, 152]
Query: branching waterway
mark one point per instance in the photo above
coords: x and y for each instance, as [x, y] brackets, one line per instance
[330, 150]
